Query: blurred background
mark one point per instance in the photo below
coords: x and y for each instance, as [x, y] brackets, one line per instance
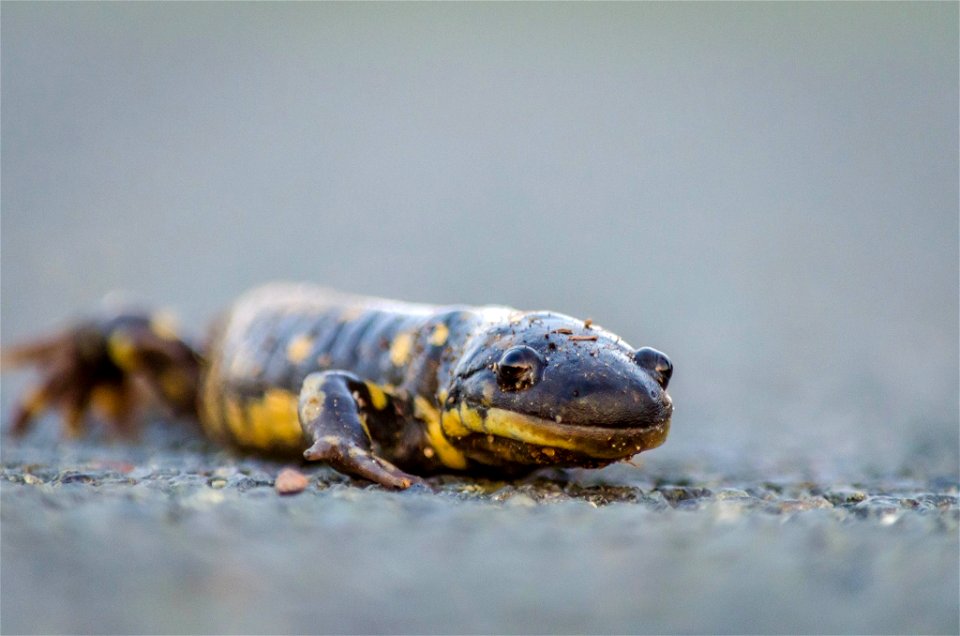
[766, 192]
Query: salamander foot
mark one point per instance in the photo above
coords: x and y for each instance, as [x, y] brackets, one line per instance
[332, 407]
[353, 460]
[97, 364]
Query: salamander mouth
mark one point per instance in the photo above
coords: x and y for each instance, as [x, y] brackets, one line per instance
[595, 441]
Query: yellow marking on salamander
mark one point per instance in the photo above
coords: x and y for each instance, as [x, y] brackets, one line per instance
[299, 348]
[450, 456]
[595, 441]
[268, 423]
[440, 334]
[452, 424]
[363, 423]
[174, 385]
[109, 401]
[312, 406]
[211, 415]
[165, 325]
[274, 422]
[524, 428]
[402, 349]
[212, 419]
[377, 396]
[122, 350]
[35, 402]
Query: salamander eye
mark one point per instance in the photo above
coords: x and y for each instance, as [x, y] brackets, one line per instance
[656, 363]
[519, 368]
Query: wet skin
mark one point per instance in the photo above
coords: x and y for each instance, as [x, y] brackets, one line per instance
[378, 389]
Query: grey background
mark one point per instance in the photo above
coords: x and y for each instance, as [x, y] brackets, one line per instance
[766, 192]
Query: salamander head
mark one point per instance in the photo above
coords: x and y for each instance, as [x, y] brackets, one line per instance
[547, 389]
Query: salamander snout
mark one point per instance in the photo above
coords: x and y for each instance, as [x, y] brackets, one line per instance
[656, 363]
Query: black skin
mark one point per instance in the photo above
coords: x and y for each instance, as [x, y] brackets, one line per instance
[384, 391]
[549, 365]
[560, 369]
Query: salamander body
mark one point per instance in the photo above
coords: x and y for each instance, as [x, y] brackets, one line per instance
[379, 389]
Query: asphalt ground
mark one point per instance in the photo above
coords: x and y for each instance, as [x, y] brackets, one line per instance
[767, 192]
[172, 535]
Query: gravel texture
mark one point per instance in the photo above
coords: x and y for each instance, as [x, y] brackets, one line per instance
[174, 536]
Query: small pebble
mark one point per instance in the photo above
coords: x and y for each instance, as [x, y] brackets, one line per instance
[291, 481]
[521, 501]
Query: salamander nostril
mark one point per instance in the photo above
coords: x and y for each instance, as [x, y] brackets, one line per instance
[657, 363]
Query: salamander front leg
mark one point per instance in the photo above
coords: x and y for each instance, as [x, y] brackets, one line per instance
[333, 408]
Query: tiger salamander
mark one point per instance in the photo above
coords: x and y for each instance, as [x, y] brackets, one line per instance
[378, 389]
